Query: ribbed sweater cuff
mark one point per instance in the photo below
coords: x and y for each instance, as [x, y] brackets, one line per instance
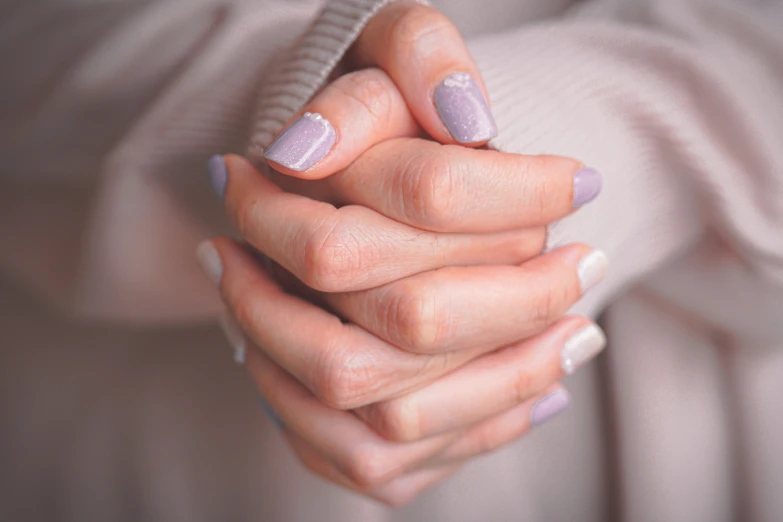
[305, 68]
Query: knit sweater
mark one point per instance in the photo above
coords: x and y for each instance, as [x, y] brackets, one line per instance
[107, 121]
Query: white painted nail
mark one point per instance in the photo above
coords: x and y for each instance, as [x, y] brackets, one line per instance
[209, 260]
[583, 345]
[234, 335]
[592, 269]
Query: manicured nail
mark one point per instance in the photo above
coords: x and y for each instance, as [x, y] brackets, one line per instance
[271, 413]
[587, 185]
[209, 260]
[234, 336]
[592, 269]
[304, 143]
[583, 345]
[550, 407]
[218, 174]
[464, 110]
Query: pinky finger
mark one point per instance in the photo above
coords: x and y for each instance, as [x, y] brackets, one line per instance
[500, 430]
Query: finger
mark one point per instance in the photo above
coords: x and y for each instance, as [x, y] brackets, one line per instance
[352, 248]
[489, 385]
[456, 308]
[342, 364]
[397, 492]
[348, 444]
[423, 52]
[454, 189]
[494, 433]
[350, 115]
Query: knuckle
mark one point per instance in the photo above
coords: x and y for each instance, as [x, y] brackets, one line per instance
[522, 384]
[526, 244]
[368, 466]
[430, 192]
[341, 378]
[246, 309]
[418, 27]
[398, 420]
[485, 441]
[372, 90]
[418, 318]
[332, 254]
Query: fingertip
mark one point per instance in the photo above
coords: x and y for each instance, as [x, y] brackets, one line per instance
[588, 183]
[463, 109]
[302, 145]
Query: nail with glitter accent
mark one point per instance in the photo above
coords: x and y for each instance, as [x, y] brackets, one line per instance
[587, 185]
[273, 416]
[583, 345]
[550, 407]
[234, 336]
[304, 143]
[209, 260]
[592, 269]
[464, 110]
[218, 174]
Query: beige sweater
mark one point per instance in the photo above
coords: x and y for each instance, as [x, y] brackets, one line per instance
[109, 109]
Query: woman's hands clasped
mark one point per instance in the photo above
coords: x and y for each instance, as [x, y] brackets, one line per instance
[392, 302]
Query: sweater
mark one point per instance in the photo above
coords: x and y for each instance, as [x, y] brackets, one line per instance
[109, 110]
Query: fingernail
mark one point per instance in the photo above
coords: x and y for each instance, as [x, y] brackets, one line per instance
[304, 143]
[234, 336]
[218, 174]
[271, 413]
[464, 110]
[209, 260]
[587, 185]
[550, 407]
[592, 269]
[583, 345]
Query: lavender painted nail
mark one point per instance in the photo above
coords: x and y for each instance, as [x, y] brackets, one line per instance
[587, 185]
[218, 174]
[549, 407]
[271, 413]
[463, 109]
[304, 143]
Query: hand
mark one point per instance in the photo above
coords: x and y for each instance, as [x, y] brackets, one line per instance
[423, 413]
[391, 449]
[379, 273]
[425, 57]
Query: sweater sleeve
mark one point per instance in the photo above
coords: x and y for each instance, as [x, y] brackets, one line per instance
[109, 111]
[676, 102]
[107, 114]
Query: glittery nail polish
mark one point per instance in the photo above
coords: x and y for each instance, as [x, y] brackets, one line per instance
[583, 345]
[464, 110]
[592, 269]
[306, 142]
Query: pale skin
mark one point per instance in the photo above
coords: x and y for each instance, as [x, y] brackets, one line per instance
[405, 319]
